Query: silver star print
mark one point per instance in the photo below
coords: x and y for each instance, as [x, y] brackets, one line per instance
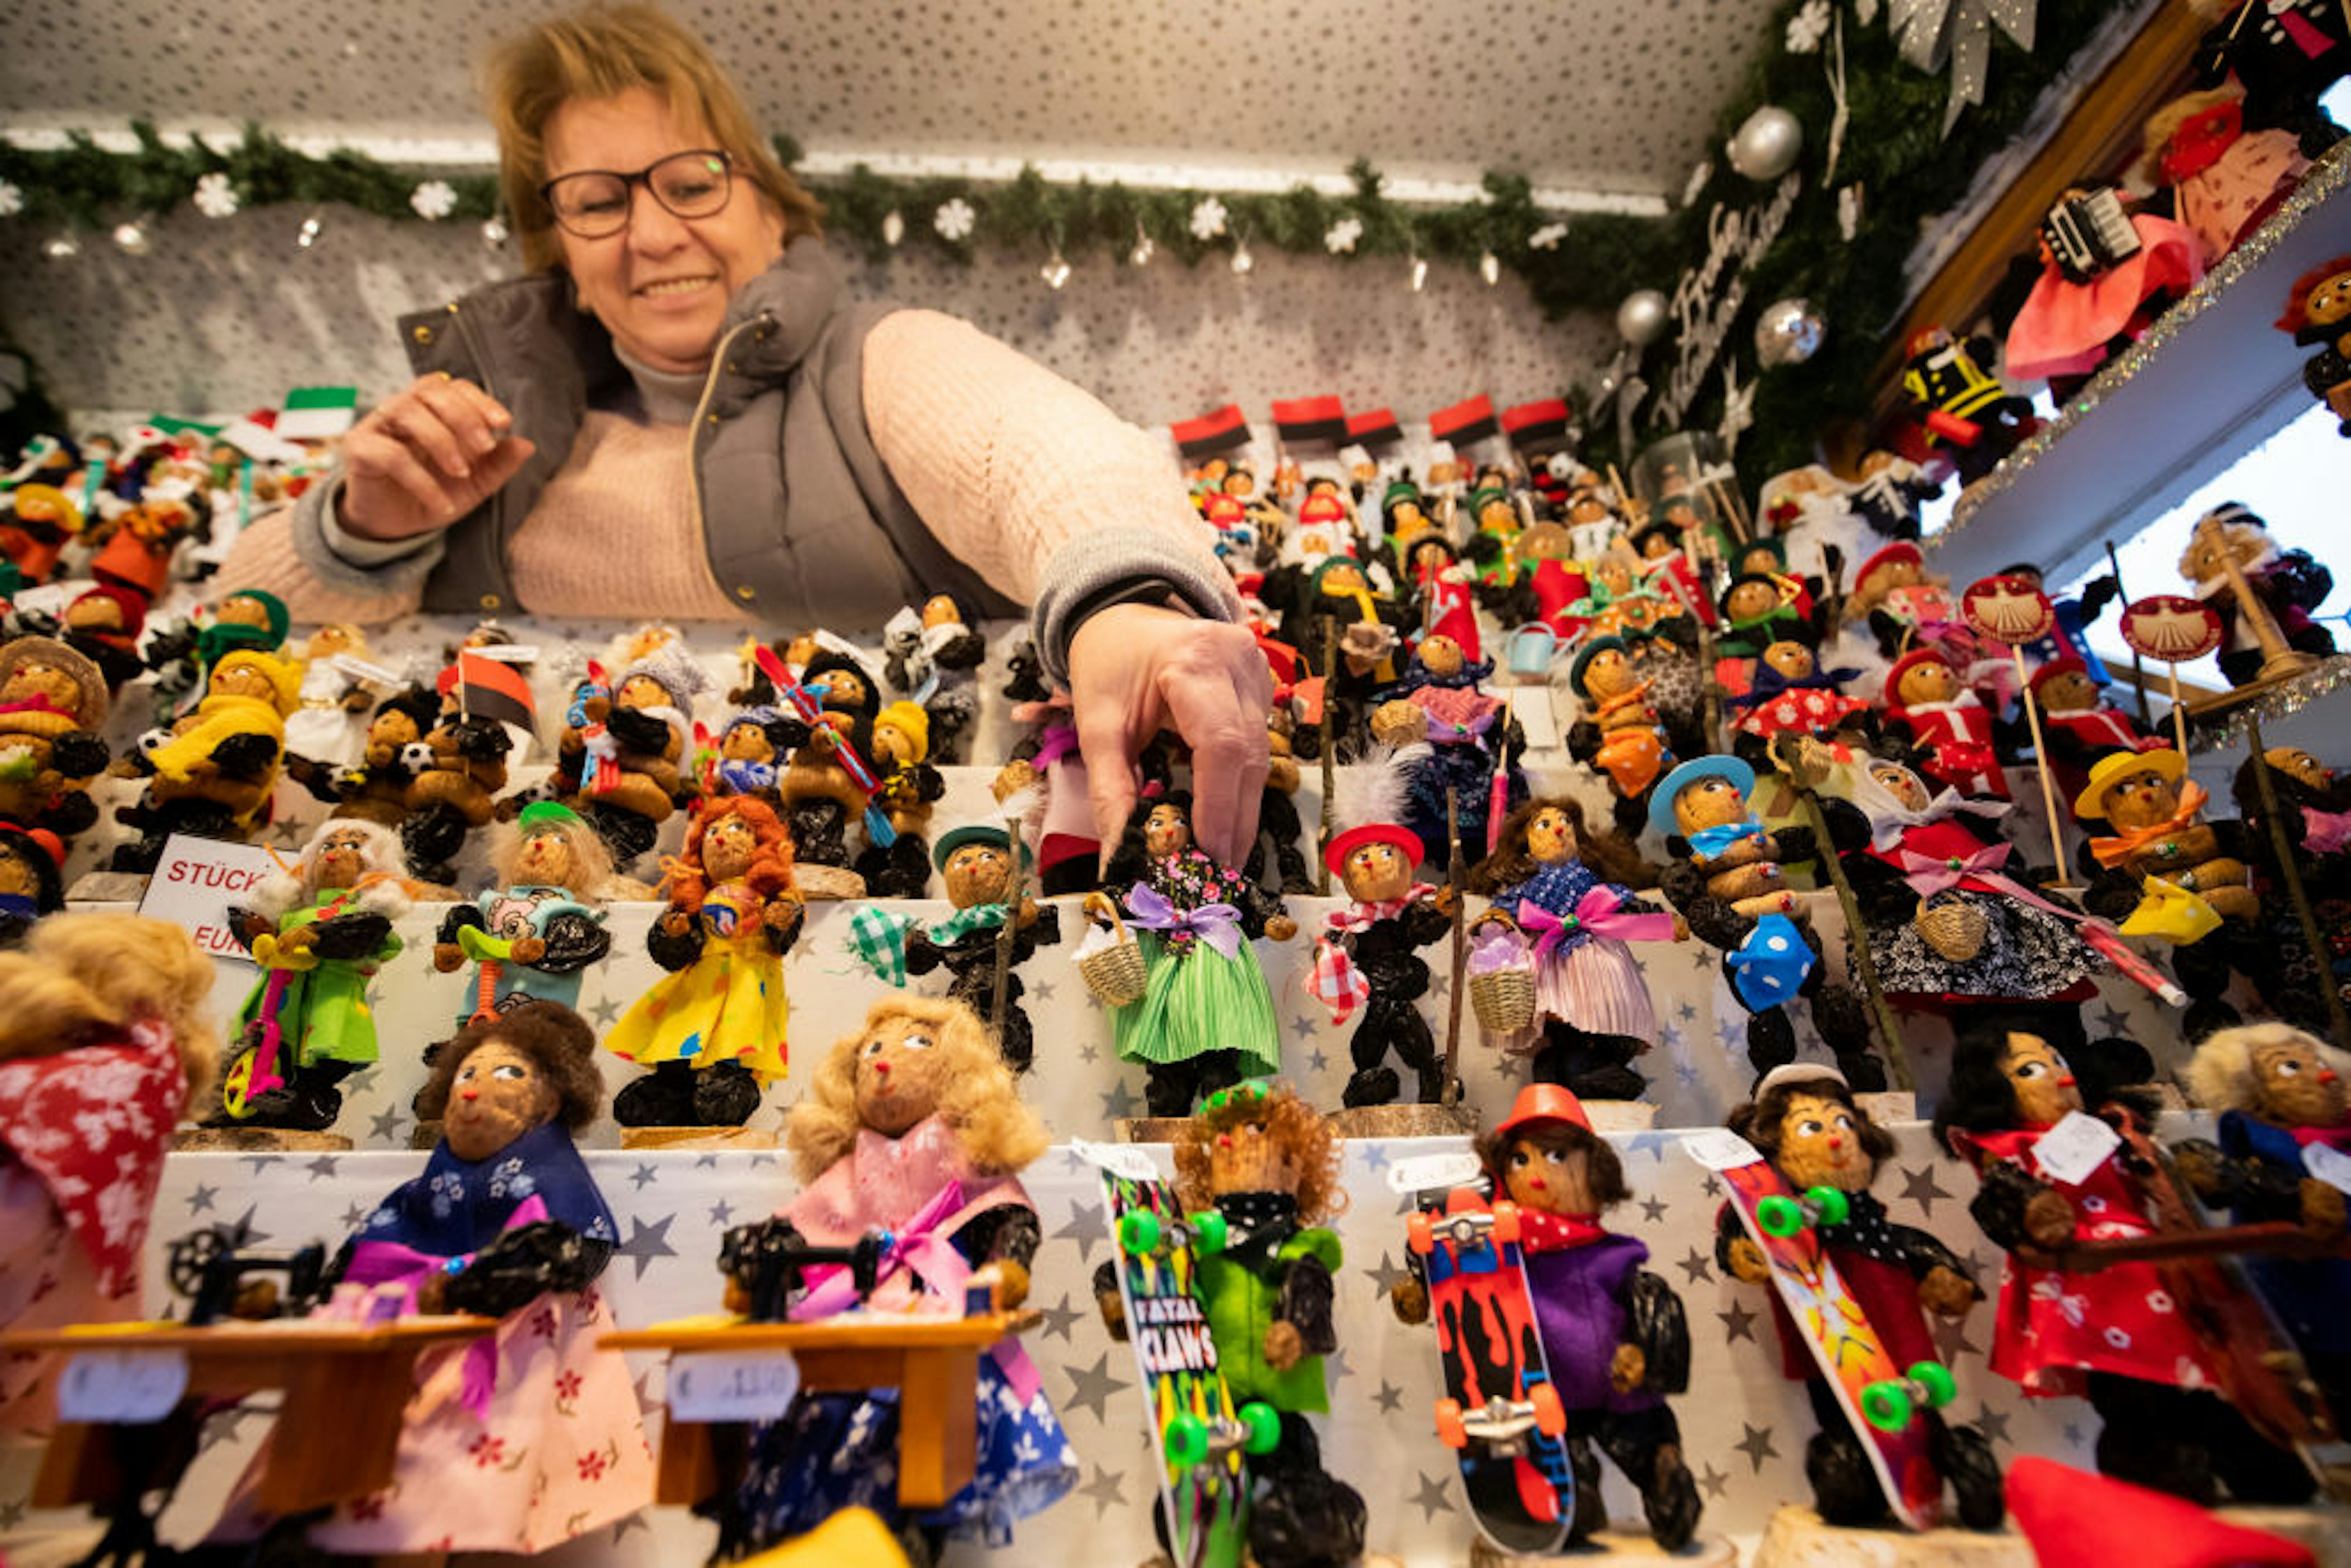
[201, 1198]
[1060, 1319]
[1435, 1496]
[324, 1166]
[606, 1013]
[1713, 1482]
[1107, 1489]
[1118, 1102]
[1302, 1026]
[644, 1177]
[1951, 1340]
[647, 1242]
[1653, 1209]
[1086, 1224]
[722, 1214]
[1757, 1446]
[1093, 1387]
[1920, 1187]
[1318, 1062]
[1695, 1267]
[1390, 1398]
[1991, 1423]
[386, 1128]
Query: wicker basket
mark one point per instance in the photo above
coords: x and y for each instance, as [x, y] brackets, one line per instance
[1504, 1000]
[1955, 929]
[1114, 974]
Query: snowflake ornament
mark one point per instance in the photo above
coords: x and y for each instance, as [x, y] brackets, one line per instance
[1207, 219]
[12, 200]
[216, 197]
[956, 220]
[1807, 27]
[1341, 240]
[433, 200]
[1547, 237]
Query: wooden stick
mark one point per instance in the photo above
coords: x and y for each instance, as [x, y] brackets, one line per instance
[2178, 708]
[1009, 933]
[2040, 763]
[2139, 663]
[1329, 751]
[1864, 968]
[1455, 875]
[2290, 871]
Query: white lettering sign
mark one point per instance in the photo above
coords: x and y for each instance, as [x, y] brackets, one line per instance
[1702, 316]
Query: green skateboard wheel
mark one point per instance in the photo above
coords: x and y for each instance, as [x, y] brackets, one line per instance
[1209, 1232]
[1886, 1405]
[1188, 1441]
[1934, 1382]
[1778, 1216]
[1829, 1205]
[1138, 1232]
[1261, 1428]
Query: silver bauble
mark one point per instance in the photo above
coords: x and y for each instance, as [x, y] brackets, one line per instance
[1767, 145]
[1641, 319]
[1788, 332]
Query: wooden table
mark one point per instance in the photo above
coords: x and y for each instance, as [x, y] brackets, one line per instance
[934, 1362]
[338, 1431]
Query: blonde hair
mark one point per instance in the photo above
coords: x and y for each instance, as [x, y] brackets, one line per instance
[592, 860]
[79, 977]
[599, 52]
[2221, 1074]
[996, 1133]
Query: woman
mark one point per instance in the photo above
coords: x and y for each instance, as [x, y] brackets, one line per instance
[680, 385]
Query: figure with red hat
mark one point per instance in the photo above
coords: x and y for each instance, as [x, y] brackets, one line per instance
[103, 624]
[1806, 1122]
[2078, 724]
[1905, 607]
[1926, 701]
[2123, 1334]
[1614, 1335]
[32, 879]
[1368, 958]
[1568, 891]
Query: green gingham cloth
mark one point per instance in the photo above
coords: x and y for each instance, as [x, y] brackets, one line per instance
[877, 936]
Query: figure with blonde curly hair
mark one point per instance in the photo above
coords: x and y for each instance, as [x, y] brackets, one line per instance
[911, 1124]
[103, 1041]
[1269, 1162]
[319, 932]
[712, 1029]
[2281, 1092]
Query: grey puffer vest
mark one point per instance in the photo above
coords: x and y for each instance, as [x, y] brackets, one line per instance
[801, 522]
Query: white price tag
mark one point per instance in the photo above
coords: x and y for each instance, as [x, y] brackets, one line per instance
[361, 670]
[2068, 1152]
[1720, 1149]
[1535, 718]
[1128, 1160]
[507, 652]
[2332, 1167]
[1426, 1173]
[122, 1386]
[732, 1385]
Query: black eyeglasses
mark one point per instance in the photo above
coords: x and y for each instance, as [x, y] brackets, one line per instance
[594, 204]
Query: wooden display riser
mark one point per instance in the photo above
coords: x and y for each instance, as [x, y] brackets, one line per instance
[698, 1137]
[1798, 1539]
[257, 1141]
[1624, 1542]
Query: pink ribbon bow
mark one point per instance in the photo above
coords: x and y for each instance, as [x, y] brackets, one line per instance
[1598, 913]
[391, 1263]
[1929, 876]
[2324, 832]
[1218, 924]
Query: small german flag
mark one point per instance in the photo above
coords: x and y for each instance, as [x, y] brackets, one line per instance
[490, 688]
[1537, 427]
[1377, 428]
[1468, 420]
[1220, 431]
[1310, 419]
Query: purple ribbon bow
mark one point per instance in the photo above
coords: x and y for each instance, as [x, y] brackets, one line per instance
[1598, 913]
[1447, 732]
[1218, 924]
[1057, 741]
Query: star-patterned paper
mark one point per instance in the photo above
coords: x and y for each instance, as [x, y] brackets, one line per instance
[1744, 1427]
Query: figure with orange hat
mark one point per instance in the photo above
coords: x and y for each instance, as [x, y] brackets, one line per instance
[1368, 959]
[1806, 1123]
[32, 879]
[1616, 1338]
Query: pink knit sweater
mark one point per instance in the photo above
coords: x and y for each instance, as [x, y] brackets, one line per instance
[1004, 460]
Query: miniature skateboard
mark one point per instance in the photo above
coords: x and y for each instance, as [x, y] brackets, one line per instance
[1881, 1400]
[1502, 1413]
[1203, 1484]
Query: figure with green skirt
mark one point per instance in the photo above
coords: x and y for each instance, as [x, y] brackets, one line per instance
[1206, 1017]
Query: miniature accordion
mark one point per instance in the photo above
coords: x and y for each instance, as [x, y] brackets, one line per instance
[2089, 234]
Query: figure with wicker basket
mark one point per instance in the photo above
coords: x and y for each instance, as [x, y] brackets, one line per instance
[1564, 913]
[1190, 1001]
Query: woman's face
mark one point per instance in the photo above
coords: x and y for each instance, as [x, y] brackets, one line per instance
[662, 285]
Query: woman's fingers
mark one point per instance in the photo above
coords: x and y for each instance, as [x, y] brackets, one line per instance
[1218, 703]
[381, 456]
[473, 418]
[426, 456]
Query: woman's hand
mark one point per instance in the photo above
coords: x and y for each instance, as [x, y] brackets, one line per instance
[425, 456]
[1136, 669]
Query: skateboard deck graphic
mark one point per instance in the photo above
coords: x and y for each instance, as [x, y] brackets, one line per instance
[1859, 1369]
[1203, 1484]
[1502, 1414]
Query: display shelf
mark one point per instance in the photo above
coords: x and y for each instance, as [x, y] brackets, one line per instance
[2209, 382]
[2232, 730]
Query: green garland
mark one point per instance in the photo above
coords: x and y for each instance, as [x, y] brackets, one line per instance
[1892, 148]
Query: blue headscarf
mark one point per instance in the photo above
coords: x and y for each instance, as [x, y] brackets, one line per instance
[459, 1207]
